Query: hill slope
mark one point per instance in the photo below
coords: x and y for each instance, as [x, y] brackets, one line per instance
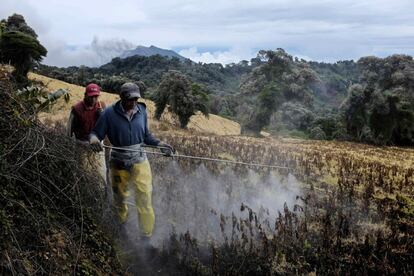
[60, 112]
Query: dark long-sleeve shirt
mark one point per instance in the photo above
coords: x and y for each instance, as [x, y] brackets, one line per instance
[124, 131]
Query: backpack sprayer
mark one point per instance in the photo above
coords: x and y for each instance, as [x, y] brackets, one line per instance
[176, 155]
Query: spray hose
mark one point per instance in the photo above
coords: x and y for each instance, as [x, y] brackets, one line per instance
[176, 155]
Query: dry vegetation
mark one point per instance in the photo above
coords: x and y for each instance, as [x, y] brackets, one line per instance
[355, 214]
[52, 210]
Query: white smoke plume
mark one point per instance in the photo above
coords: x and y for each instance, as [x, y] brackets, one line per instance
[110, 48]
[98, 52]
[195, 202]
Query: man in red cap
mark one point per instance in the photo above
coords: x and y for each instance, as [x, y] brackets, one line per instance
[82, 119]
[84, 114]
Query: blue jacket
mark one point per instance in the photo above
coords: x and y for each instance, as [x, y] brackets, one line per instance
[121, 131]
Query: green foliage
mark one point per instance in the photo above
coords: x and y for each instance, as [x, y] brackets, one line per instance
[216, 77]
[16, 22]
[3, 26]
[283, 79]
[182, 96]
[335, 80]
[317, 133]
[380, 109]
[114, 83]
[39, 98]
[328, 123]
[291, 116]
[268, 101]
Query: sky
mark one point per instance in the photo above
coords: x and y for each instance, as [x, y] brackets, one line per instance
[92, 32]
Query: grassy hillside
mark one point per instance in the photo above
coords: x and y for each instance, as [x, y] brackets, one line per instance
[212, 125]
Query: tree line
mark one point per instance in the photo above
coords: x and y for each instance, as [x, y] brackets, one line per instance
[368, 101]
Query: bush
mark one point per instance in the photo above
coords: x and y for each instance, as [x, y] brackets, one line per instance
[51, 206]
[183, 97]
[317, 133]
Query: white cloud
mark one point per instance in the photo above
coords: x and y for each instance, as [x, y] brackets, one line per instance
[223, 57]
[326, 30]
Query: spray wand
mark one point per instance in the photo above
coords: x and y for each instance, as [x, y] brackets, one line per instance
[176, 155]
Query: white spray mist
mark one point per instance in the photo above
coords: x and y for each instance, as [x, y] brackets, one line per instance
[193, 201]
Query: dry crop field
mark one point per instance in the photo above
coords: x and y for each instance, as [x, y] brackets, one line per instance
[389, 170]
[340, 207]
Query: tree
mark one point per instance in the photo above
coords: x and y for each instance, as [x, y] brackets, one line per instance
[291, 116]
[280, 79]
[19, 47]
[268, 101]
[354, 110]
[182, 95]
[16, 22]
[381, 108]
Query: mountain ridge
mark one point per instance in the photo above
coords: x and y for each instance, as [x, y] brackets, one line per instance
[151, 51]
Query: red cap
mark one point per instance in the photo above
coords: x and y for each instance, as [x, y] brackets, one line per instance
[92, 90]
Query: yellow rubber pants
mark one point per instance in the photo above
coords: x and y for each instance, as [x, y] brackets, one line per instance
[140, 176]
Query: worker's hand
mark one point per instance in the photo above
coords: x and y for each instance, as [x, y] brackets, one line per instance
[95, 143]
[167, 149]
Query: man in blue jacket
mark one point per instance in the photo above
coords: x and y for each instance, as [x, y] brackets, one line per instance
[125, 124]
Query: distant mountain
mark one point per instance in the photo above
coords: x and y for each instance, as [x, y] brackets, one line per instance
[150, 51]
